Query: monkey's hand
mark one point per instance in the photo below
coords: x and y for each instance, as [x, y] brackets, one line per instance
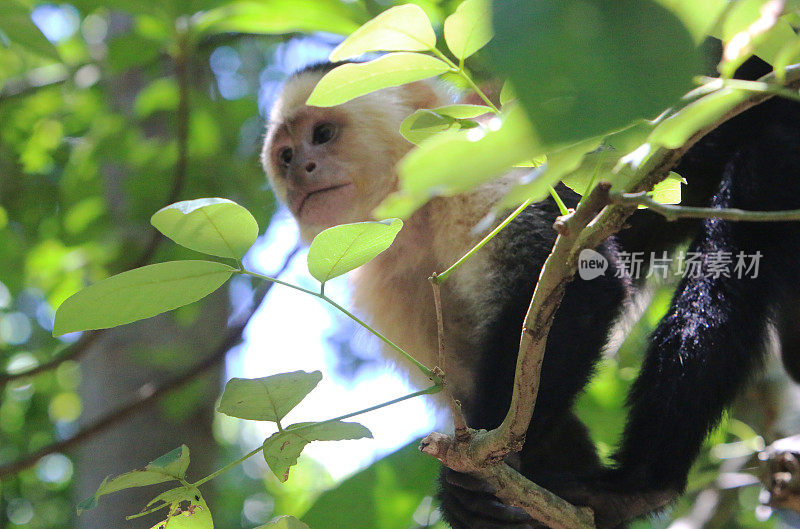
[469, 503]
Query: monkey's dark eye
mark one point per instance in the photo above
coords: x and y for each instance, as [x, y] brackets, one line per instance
[286, 156]
[323, 133]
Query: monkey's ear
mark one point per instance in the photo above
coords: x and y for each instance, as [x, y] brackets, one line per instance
[424, 94]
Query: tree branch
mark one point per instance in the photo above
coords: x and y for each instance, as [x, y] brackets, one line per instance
[148, 396]
[674, 212]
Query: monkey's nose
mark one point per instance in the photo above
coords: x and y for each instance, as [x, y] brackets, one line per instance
[310, 166]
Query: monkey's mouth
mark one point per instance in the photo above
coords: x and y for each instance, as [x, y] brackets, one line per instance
[314, 196]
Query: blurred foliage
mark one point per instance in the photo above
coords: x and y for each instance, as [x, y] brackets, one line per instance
[111, 109]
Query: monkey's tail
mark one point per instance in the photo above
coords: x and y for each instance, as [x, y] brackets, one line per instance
[712, 339]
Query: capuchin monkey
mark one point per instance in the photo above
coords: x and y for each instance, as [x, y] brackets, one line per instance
[335, 165]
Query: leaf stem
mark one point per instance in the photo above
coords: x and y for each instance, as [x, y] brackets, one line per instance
[227, 467]
[459, 70]
[428, 372]
[387, 341]
[754, 86]
[673, 212]
[278, 281]
[441, 278]
[560, 203]
[435, 388]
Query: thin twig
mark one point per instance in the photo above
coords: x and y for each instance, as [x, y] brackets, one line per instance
[147, 395]
[674, 212]
[460, 423]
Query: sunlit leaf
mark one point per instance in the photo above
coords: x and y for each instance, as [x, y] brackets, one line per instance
[282, 449]
[536, 183]
[507, 93]
[750, 28]
[678, 128]
[668, 191]
[342, 248]
[215, 226]
[138, 294]
[449, 164]
[423, 124]
[349, 81]
[698, 17]
[400, 28]
[788, 54]
[267, 398]
[188, 512]
[598, 65]
[277, 16]
[462, 111]
[169, 467]
[469, 28]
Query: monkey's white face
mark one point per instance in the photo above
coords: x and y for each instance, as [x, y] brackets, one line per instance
[335, 165]
[306, 167]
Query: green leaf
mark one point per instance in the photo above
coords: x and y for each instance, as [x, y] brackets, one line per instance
[462, 111]
[698, 17]
[173, 463]
[18, 28]
[277, 16]
[267, 398]
[668, 191]
[284, 522]
[169, 467]
[679, 127]
[592, 167]
[449, 164]
[168, 497]
[469, 28]
[536, 184]
[507, 93]
[788, 54]
[400, 28]
[342, 248]
[188, 510]
[282, 449]
[349, 81]
[424, 123]
[385, 494]
[754, 34]
[599, 65]
[215, 226]
[139, 294]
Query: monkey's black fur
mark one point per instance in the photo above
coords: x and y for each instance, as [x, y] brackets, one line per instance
[701, 355]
